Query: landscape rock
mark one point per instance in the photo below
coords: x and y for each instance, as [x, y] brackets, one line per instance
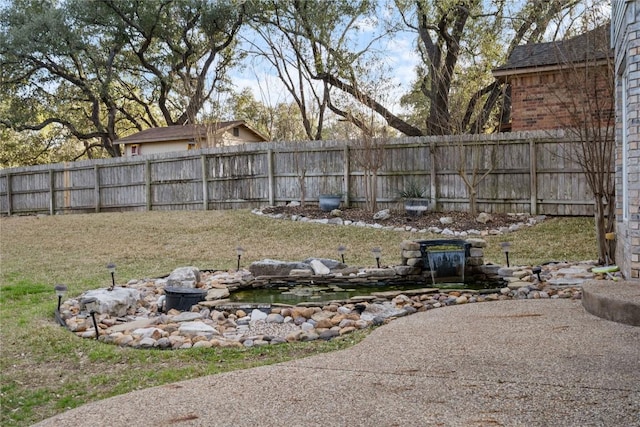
[271, 267]
[301, 272]
[382, 215]
[184, 277]
[186, 316]
[484, 218]
[214, 294]
[197, 328]
[115, 302]
[257, 315]
[274, 318]
[319, 268]
[409, 245]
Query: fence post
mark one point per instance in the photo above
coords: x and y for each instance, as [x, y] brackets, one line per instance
[272, 198]
[96, 188]
[205, 178]
[52, 193]
[9, 207]
[147, 179]
[533, 178]
[434, 186]
[347, 173]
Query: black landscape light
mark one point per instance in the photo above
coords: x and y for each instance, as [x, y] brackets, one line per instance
[377, 253]
[536, 270]
[61, 290]
[90, 305]
[111, 268]
[239, 251]
[505, 248]
[341, 250]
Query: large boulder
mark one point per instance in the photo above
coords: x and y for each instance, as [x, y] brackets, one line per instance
[272, 267]
[115, 303]
[184, 277]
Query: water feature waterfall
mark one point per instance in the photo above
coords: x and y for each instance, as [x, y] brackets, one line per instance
[446, 259]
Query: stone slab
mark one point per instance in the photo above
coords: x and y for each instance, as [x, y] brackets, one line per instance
[130, 326]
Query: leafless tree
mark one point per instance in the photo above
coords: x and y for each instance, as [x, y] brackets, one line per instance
[474, 161]
[369, 154]
[585, 93]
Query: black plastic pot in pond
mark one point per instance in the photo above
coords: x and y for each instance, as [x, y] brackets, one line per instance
[182, 298]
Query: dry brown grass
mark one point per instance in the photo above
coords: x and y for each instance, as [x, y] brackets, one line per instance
[68, 248]
[75, 248]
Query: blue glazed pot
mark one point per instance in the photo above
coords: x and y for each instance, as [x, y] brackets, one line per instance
[329, 202]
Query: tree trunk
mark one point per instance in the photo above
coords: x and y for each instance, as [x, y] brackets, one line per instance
[472, 201]
[374, 191]
[112, 149]
[604, 222]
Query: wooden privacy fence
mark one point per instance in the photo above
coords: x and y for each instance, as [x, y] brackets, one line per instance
[533, 172]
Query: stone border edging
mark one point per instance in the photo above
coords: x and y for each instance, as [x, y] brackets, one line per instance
[531, 221]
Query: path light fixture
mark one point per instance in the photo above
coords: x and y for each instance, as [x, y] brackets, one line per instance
[239, 251]
[111, 268]
[61, 290]
[506, 246]
[377, 253]
[341, 250]
[90, 305]
[536, 270]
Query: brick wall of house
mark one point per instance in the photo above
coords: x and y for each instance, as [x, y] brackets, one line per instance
[546, 100]
[627, 47]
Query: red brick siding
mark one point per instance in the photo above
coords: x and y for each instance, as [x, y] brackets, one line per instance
[627, 48]
[542, 101]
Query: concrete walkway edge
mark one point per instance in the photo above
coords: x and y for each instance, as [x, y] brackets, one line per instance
[616, 301]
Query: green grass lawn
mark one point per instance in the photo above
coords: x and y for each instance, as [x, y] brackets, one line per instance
[47, 370]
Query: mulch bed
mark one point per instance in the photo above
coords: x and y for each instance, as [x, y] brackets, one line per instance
[462, 221]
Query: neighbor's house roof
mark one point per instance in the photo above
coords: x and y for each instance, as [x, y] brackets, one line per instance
[183, 132]
[538, 57]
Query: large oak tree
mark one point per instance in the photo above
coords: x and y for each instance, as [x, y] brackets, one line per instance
[100, 70]
[459, 42]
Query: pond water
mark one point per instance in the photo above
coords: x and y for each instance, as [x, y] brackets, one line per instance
[304, 293]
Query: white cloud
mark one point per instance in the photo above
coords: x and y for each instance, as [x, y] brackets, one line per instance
[403, 59]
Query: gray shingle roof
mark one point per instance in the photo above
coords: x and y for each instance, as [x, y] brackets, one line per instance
[590, 45]
[182, 132]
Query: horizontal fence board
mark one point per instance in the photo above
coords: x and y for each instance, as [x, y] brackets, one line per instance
[252, 175]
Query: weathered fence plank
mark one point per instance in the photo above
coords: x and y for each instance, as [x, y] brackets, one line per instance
[532, 172]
